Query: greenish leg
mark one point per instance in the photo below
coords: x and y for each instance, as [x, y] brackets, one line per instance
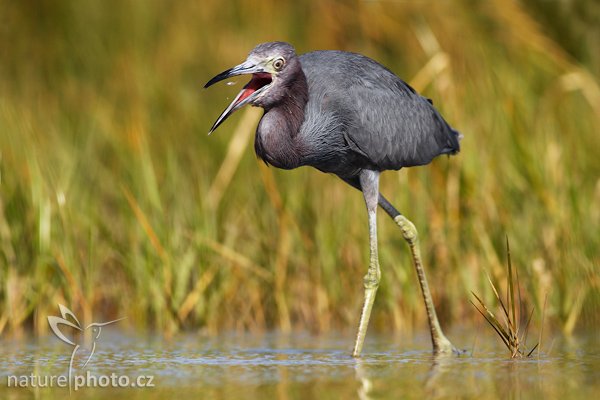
[441, 344]
[369, 181]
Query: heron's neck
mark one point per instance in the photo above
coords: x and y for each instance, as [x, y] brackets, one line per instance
[277, 139]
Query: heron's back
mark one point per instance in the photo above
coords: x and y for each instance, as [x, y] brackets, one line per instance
[358, 106]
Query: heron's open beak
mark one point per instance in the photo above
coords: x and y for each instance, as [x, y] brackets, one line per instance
[259, 82]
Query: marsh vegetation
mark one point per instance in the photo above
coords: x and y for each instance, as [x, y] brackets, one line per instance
[114, 201]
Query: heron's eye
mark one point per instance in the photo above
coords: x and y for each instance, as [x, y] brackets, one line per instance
[278, 64]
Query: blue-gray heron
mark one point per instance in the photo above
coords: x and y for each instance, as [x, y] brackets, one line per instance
[345, 114]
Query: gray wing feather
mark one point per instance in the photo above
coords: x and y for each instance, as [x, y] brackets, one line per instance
[386, 120]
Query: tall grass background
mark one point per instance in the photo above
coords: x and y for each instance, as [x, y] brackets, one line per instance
[115, 202]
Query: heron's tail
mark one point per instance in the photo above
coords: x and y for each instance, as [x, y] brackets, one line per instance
[453, 142]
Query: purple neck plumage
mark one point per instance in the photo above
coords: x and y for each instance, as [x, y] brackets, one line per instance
[276, 140]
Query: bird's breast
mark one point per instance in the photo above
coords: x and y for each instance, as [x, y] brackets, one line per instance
[275, 142]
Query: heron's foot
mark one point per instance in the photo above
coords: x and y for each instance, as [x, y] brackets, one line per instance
[443, 347]
[371, 283]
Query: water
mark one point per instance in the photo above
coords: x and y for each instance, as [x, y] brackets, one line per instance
[304, 367]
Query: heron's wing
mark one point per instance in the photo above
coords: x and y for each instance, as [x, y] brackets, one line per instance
[396, 127]
[386, 121]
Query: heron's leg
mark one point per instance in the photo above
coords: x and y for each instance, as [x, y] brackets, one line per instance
[440, 342]
[369, 183]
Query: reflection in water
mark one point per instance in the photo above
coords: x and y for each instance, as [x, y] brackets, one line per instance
[303, 366]
[441, 365]
[366, 385]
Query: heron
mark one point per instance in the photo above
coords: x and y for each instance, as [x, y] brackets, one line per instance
[346, 114]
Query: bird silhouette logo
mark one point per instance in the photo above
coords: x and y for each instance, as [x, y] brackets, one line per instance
[63, 321]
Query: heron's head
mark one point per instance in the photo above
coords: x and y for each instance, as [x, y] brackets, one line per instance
[271, 65]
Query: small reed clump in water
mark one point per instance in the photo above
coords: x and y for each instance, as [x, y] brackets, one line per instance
[510, 327]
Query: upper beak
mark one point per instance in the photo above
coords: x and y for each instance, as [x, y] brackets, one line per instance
[242, 69]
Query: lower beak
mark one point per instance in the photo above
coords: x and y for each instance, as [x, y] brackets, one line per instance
[245, 96]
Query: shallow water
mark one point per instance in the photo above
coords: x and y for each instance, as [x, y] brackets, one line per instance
[301, 366]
